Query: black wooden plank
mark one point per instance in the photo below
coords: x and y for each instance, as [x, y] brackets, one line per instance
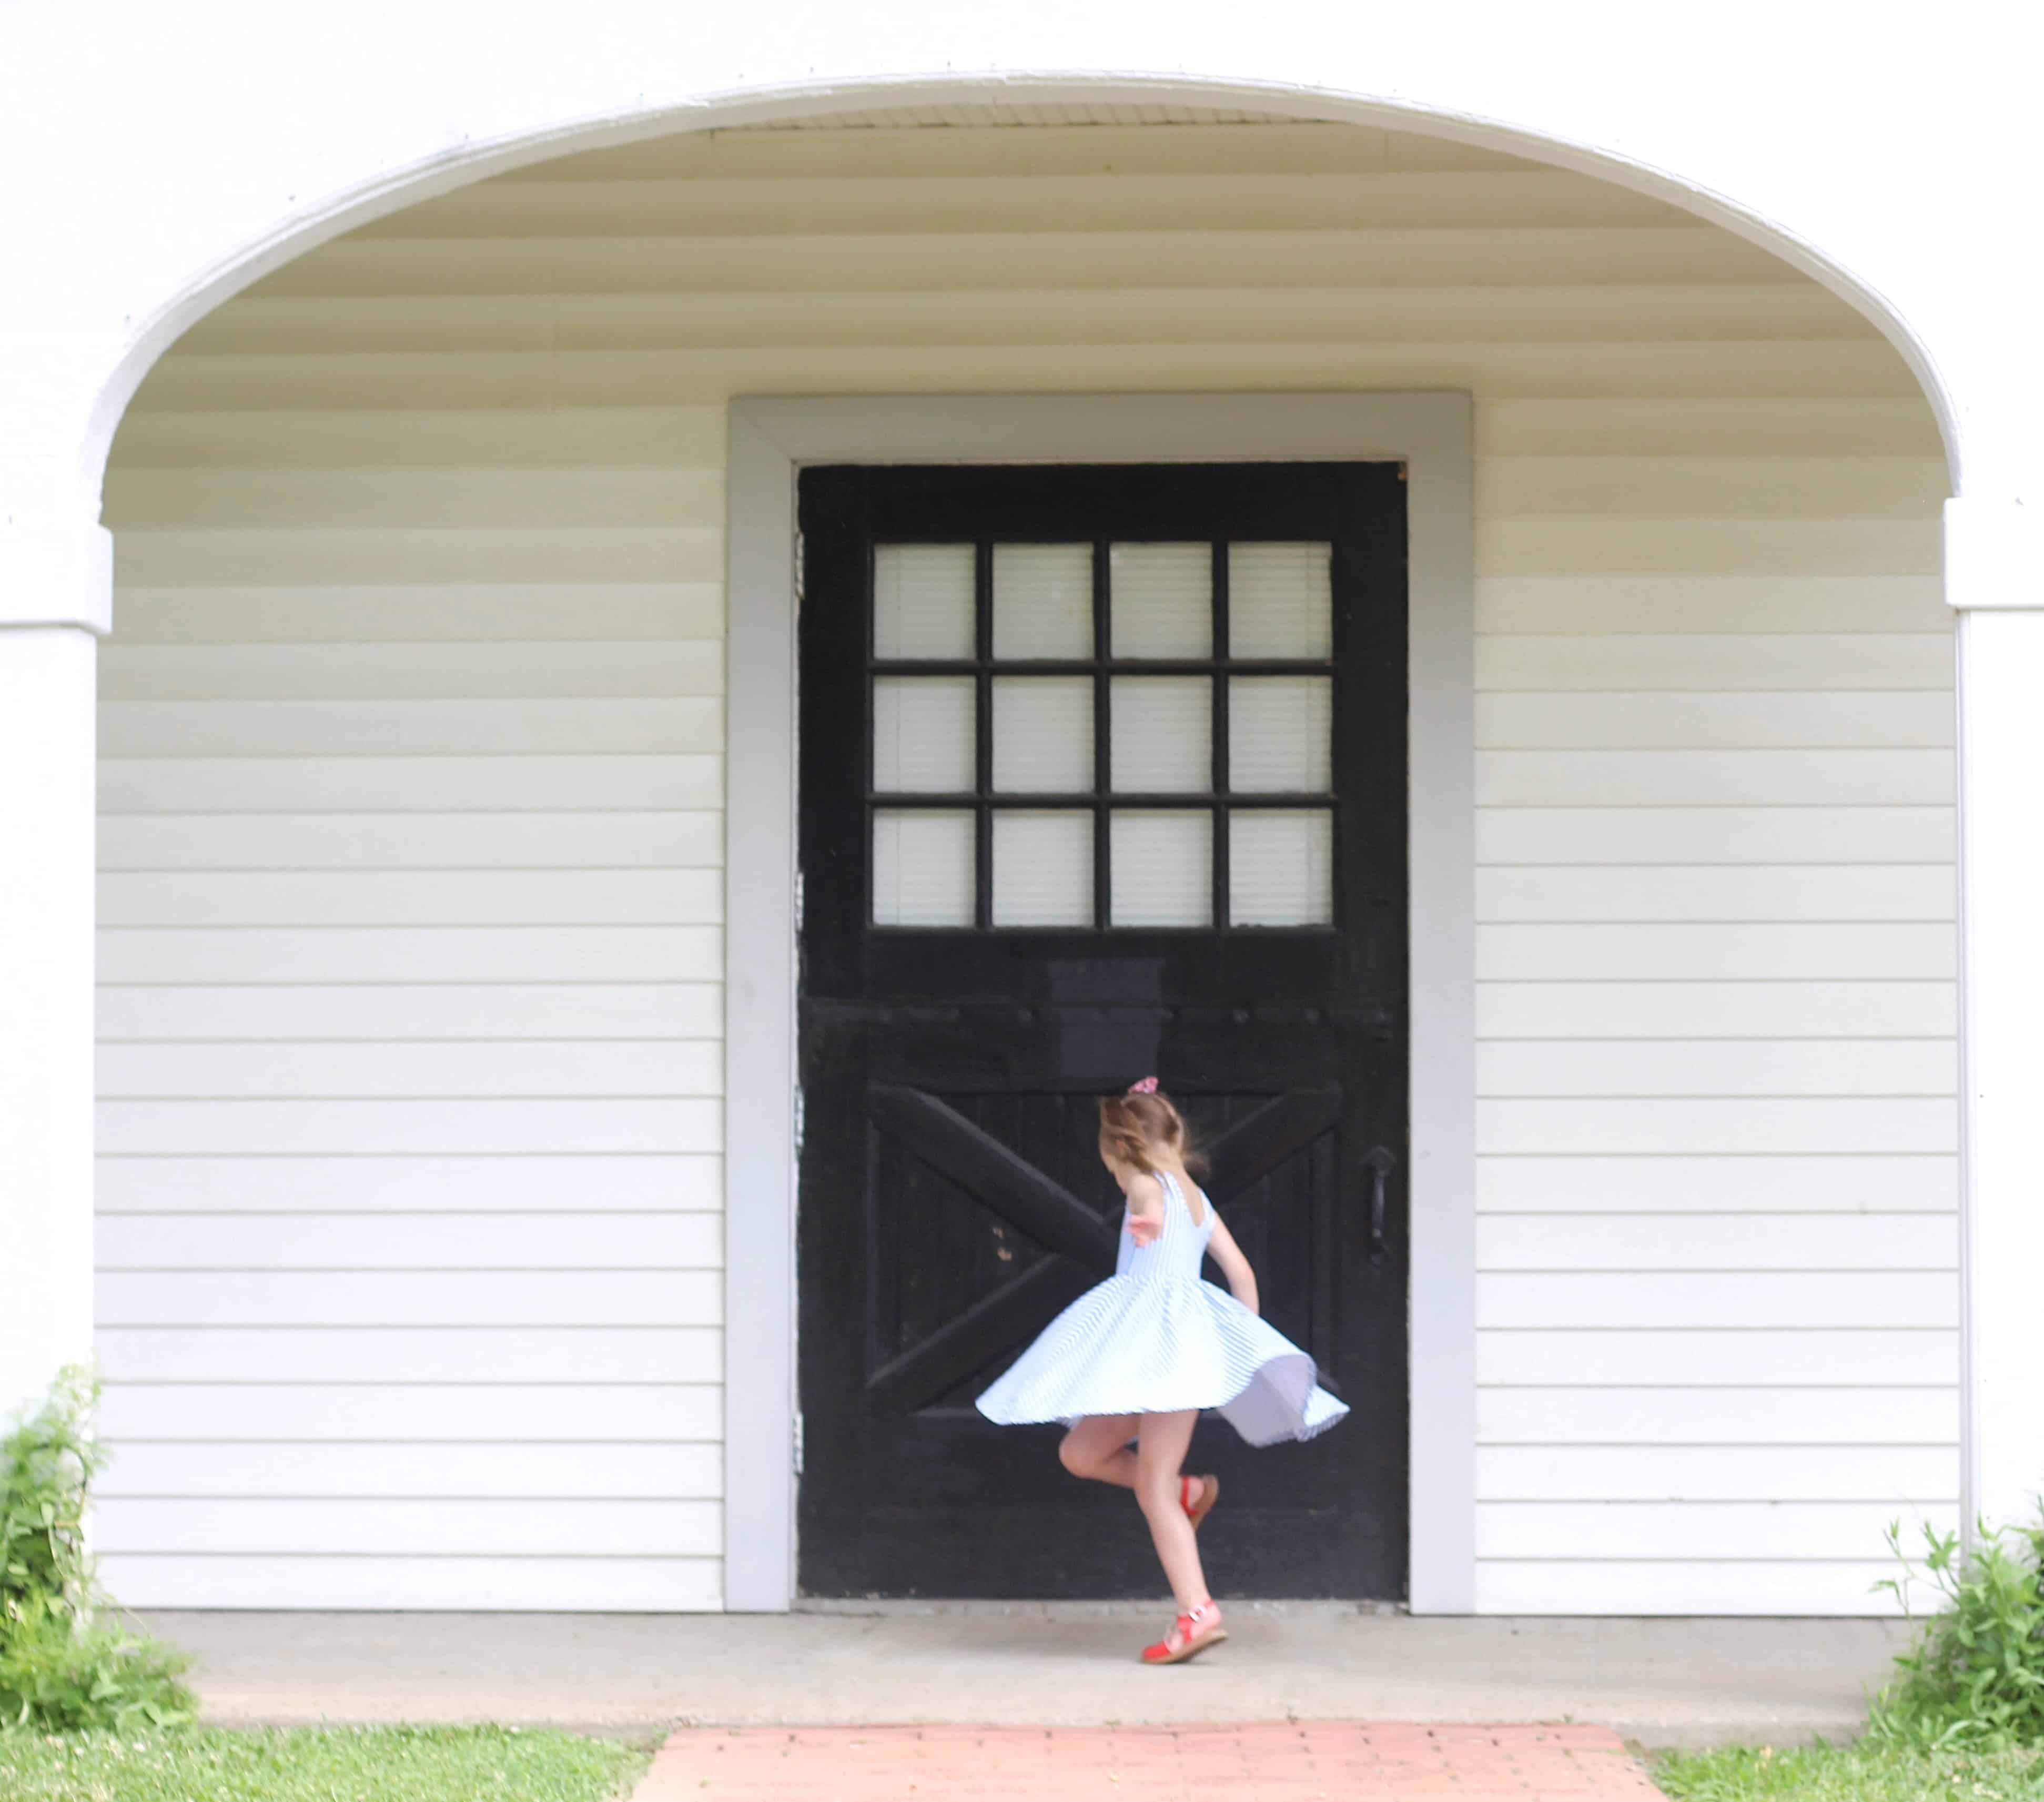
[991, 1326]
[1012, 1187]
[1250, 1151]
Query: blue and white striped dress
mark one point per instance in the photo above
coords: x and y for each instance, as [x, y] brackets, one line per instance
[1155, 1338]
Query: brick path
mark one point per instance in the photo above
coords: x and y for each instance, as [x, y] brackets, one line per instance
[1274, 1761]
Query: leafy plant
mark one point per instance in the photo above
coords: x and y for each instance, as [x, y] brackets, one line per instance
[1973, 1678]
[63, 1668]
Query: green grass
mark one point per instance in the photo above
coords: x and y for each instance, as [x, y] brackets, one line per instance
[1850, 1773]
[316, 1765]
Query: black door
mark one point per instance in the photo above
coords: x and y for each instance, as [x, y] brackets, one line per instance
[1103, 775]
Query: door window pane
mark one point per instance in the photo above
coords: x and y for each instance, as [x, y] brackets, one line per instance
[1161, 600]
[1042, 735]
[1161, 735]
[1042, 600]
[1281, 867]
[1163, 868]
[1043, 868]
[922, 867]
[1280, 734]
[923, 600]
[1280, 601]
[923, 735]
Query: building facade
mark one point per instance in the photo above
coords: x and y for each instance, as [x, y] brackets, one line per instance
[529, 1085]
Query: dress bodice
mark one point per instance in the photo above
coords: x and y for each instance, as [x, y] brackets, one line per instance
[1177, 1252]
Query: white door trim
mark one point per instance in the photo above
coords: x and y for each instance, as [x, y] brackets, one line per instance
[770, 438]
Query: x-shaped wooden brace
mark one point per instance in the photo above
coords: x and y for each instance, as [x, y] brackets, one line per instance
[1049, 1213]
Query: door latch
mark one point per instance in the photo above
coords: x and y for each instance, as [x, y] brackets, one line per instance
[1379, 1159]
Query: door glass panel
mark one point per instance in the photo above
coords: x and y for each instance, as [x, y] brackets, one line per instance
[923, 600]
[1281, 600]
[1161, 597]
[922, 736]
[1163, 868]
[1042, 868]
[1042, 735]
[922, 867]
[1280, 734]
[1161, 734]
[1281, 867]
[1042, 600]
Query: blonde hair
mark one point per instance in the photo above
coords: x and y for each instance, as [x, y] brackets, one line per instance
[1134, 1126]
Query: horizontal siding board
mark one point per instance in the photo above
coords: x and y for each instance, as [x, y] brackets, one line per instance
[1720, 1241]
[317, 608]
[281, 1070]
[468, 1297]
[1824, 719]
[281, 1527]
[410, 1011]
[618, 1471]
[1927, 1475]
[1575, 1126]
[1526, 1067]
[1746, 487]
[1727, 1586]
[430, 1413]
[1589, 1358]
[1707, 605]
[469, 1240]
[1716, 953]
[347, 1128]
[375, 499]
[197, 1353]
[186, 955]
[1655, 426]
[1646, 662]
[609, 1585]
[1817, 1531]
[1760, 894]
[1551, 543]
[1885, 1182]
[384, 897]
[1717, 1005]
[1694, 837]
[600, 781]
[131, 843]
[1755, 1416]
[1659, 778]
[609, 671]
[627, 725]
[200, 557]
[1724, 1299]
[490, 1183]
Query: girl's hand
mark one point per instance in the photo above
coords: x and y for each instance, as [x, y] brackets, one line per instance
[1143, 1228]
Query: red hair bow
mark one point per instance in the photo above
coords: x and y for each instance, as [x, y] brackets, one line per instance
[1146, 1086]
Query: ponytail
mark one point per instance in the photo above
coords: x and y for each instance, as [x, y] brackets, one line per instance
[1133, 1126]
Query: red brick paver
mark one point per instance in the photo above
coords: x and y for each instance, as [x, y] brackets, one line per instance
[1254, 1762]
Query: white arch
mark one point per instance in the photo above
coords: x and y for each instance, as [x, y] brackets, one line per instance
[390, 190]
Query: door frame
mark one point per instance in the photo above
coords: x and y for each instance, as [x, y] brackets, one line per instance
[770, 438]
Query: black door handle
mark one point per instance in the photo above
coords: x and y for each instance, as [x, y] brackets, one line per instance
[1379, 1158]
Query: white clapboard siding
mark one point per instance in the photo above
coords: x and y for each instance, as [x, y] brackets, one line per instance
[412, 768]
[430, 1413]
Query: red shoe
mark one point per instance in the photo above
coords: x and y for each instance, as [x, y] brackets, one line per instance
[1197, 1495]
[1190, 1634]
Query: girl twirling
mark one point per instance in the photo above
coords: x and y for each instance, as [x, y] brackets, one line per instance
[1136, 1358]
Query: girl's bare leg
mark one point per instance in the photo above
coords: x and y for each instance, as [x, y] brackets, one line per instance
[1097, 1448]
[1161, 1442]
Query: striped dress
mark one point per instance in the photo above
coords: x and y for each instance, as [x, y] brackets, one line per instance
[1155, 1338]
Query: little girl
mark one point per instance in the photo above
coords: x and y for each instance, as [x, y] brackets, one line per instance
[1137, 1357]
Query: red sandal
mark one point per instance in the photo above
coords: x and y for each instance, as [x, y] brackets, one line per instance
[1190, 1634]
[1197, 1495]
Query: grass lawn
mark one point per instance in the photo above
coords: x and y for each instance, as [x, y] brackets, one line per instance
[1850, 1773]
[317, 1764]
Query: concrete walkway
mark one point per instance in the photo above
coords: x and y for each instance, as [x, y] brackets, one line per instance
[1659, 1682]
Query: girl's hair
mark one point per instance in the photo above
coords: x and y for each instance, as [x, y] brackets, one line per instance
[1132, 1126]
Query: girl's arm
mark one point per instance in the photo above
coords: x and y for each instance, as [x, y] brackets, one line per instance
[1146, 1207]
[1225, 1252]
